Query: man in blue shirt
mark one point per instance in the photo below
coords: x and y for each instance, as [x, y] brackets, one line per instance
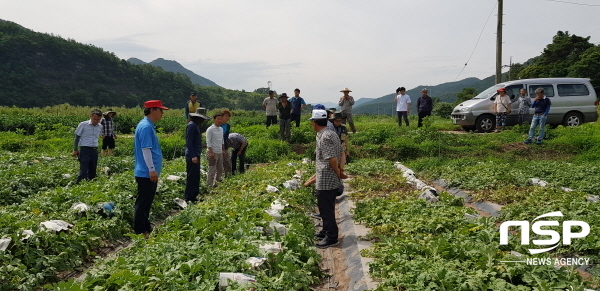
[193, 150]
[148, 164]
[542, 105]
[85, 147]
[297, 105]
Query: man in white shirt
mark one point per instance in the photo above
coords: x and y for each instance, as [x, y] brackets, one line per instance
[270, 106]
[215, 146]
[86, 145]
[402, 105]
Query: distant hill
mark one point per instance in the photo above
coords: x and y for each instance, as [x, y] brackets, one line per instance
[136, 61]
[175, 67]
[446, 92]
[40, 69]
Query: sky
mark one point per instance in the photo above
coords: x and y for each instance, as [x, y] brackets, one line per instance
[371, 47]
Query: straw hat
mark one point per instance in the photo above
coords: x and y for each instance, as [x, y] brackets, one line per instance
[346, 90]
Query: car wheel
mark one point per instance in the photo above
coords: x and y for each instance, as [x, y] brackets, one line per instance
[573, 119]
[485, 123]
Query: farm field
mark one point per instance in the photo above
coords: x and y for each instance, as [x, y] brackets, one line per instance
[417, 245]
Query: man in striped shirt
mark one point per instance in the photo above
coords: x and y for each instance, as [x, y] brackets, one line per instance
[108, 141]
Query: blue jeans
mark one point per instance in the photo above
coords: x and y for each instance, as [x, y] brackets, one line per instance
[538, 120]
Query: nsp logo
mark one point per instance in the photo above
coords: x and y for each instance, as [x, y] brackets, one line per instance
[567, 234]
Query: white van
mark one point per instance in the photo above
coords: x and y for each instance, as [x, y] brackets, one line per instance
[573, 103]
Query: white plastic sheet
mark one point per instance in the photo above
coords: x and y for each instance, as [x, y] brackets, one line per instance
[274, 213]
[55, 225]
[292, 184]
[4, 243]
[256, 262]
[237, 277]
[174, 178]
[273, 248]
[280, 228]
[279, 204]
[537, 182]
[272, 189]
[180, 202]
[80, 207]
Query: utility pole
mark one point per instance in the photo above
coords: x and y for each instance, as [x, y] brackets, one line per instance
[499, 44]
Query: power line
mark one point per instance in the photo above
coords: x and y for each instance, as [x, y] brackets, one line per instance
[488, 19]
[574, 3]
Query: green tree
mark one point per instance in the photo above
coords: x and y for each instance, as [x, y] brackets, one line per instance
[564, 51]
[588, 66]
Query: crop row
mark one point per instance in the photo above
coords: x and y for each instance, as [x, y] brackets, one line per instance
[33, 260]
[445, 246]
[218, 235]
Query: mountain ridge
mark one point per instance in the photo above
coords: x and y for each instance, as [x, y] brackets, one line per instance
[176, 67]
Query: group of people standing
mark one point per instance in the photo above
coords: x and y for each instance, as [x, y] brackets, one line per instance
[402, 100]
[541, 105]
[289, 110]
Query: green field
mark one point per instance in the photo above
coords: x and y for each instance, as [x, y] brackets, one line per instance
[418, 246]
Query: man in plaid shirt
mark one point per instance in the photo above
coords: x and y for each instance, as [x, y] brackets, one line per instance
[108, 141]
[328, 177]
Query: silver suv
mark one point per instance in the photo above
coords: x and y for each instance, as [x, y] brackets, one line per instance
[573, 103]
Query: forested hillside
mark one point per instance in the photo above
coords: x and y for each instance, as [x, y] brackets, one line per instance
[39, 69]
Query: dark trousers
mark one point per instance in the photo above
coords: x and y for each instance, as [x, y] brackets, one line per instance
[402, 114]
[88, 162]
[422, 115]
[271, 120]
[242, 157]
[192, 184]
[326, 204]
[295, 117]
[145, 196]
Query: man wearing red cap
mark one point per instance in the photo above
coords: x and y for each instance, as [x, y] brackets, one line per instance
[148, 164]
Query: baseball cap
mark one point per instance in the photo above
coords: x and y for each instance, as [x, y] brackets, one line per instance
[501, 90]
[319, 106]
[318, 114]
[193, 93]
[271, 91]
[154, 104]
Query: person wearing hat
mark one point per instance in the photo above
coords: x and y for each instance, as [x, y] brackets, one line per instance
[193, 150]
[330, 113]
[108, 125]
[86, 145]
[148, 164]
[346, 103]
[328, 177]
[270, 106]
[192, 105]
[501, 108]
[402, 105]
[285, 110]
[298, 105]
